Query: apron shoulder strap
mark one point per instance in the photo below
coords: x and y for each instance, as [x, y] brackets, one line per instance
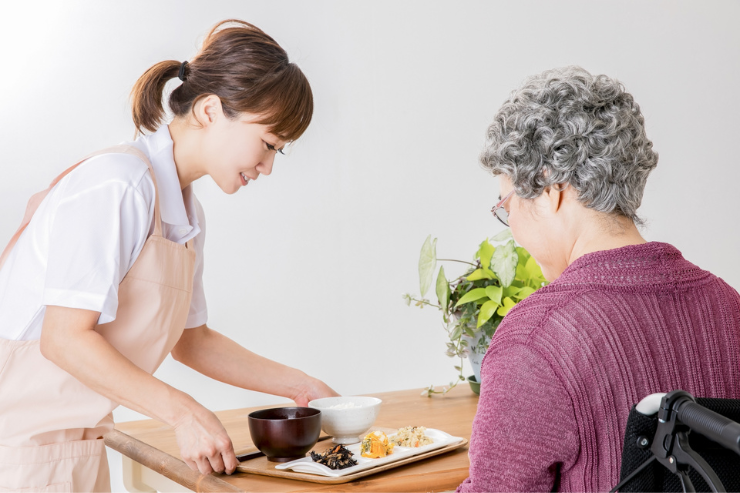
[35, 201]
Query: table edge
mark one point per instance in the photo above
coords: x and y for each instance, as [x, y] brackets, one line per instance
[166, 465]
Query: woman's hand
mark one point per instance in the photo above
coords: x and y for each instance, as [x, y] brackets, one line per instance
[69, 340]
[204, 444]
[310, 389]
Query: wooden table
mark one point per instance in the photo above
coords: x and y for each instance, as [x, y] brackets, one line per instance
[151, 460]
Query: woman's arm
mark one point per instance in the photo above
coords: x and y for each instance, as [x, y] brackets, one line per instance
[69, 341]
[222, 359]
[524, 429]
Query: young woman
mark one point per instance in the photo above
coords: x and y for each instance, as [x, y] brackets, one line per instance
[104, 277]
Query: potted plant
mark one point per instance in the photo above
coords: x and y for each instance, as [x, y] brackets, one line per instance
[474, 303]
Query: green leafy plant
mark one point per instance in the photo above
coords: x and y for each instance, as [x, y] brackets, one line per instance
[474, 303]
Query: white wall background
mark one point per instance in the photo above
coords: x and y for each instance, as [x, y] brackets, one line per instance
[308, 266]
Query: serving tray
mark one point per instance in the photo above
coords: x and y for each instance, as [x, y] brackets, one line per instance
[443, 443]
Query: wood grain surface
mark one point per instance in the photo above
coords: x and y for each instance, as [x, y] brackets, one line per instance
[452, 413]
[165, 464]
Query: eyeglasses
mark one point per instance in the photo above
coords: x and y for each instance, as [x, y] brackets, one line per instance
[499, 212]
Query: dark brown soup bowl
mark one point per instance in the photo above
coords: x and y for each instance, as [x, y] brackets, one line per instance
[284, 434]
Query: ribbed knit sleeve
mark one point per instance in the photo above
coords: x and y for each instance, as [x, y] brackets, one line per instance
[524, 430]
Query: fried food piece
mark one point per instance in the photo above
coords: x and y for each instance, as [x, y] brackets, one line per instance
[376, 445]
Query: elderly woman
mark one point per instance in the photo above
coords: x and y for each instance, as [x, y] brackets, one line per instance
[622, 318]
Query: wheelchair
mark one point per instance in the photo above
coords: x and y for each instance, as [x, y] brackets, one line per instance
[675, 442]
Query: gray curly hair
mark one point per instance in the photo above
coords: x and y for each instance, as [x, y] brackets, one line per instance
[568, 126]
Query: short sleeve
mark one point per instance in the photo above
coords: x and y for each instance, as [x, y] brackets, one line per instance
[524, 429]
[198, 313]
[99, 227]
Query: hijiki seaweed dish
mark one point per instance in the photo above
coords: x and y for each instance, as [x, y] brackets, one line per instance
[338, 457]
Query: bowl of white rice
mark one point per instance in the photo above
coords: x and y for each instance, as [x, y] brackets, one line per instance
[347, 418]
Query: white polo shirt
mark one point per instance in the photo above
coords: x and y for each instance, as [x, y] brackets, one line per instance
[88, 232]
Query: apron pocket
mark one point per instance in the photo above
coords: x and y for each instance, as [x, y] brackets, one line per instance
[79, 465]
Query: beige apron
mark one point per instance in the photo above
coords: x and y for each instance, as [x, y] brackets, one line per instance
[50, 423]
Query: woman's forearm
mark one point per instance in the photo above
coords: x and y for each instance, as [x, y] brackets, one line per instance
[69, 341]
[215, 355]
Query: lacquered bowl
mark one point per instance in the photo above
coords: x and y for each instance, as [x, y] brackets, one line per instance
[348, 424]
[284, 434]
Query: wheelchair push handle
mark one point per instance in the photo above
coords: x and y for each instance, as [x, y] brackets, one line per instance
[714, 426]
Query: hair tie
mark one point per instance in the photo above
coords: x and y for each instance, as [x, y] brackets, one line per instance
[181, 75]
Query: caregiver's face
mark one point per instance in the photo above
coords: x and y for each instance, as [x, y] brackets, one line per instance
[239, 150]
[532, 224]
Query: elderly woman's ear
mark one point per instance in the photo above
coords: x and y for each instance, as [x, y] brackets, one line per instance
[556, 196]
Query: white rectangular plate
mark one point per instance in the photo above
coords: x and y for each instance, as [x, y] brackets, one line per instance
[308, 466]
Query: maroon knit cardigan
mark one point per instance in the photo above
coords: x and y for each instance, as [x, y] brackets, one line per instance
[566, 365]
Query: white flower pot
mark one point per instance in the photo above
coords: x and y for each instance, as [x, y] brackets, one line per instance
[477, 347]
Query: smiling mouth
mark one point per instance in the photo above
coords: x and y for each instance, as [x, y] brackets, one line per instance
[244, 178]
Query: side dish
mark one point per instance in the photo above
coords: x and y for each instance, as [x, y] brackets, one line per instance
[376, 445]
[411, 436]
[335, 458]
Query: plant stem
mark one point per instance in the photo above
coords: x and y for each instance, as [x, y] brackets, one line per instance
[458, 278]
[459, 379]
[425, 302]
[453, 260]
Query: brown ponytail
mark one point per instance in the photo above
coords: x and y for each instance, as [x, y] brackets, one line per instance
[241, 65]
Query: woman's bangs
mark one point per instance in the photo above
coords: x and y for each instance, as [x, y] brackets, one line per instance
[289, 106]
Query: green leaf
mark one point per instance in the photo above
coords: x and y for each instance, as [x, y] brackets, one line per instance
[504, 263]
[503, 235]
[479, 274]
[533, 269]
[486, 311]
[443, 289]
[523, 255]
[427, 264]
[511, 291]
[485, 252]
[521, 272]
[472, 295]
[456, 333]
[495, 292]
[524, 292]
[508, 305]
